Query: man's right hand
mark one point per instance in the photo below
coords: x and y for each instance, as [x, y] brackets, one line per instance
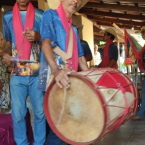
[6, 59]
[61, 78]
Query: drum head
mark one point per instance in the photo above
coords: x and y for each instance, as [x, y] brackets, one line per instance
[77, 114]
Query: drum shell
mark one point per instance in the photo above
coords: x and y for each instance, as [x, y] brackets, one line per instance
[108, 125]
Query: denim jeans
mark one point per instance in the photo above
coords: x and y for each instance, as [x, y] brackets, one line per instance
[52, 139]
[141, 111]
[21, 87]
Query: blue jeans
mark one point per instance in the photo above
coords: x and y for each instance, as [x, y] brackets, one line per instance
[141, 111]
[52, 139]
[21, 87]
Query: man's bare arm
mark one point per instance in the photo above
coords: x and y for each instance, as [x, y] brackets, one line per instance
[7, 52]
[61, 76]
[8, 48]
[83, 63]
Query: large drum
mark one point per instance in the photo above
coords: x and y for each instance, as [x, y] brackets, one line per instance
[98, 101]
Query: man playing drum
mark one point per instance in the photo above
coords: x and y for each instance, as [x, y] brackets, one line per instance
[57, 32]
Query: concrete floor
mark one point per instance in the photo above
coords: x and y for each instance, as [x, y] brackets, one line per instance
[130, 133]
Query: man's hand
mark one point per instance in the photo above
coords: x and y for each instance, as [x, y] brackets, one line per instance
[6, 59]
[61, 78]
[32, 35]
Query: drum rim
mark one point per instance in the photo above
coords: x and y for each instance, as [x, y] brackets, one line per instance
[134, 92]
[93, 86]
[48, 117]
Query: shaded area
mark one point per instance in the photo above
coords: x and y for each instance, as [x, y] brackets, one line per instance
[130, 133]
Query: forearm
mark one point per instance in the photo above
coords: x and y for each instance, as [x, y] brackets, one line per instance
[7, 53]
[8, 48]
[83, 63]
[60, 76]
[49, 56]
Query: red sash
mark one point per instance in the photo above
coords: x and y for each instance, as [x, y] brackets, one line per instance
[63, 18]
[25, 49]
[106, 60]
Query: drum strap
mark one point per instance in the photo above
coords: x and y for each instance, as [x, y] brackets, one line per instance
[63, 54]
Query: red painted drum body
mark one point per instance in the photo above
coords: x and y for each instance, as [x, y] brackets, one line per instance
[98, 101]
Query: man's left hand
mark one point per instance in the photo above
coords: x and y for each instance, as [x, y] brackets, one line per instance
[32, 35]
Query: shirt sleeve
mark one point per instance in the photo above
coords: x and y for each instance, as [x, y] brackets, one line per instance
[6, 30]
[113, 52]
[85, 47]
[47, 29]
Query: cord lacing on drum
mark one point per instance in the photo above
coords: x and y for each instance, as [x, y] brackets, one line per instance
[63, 107]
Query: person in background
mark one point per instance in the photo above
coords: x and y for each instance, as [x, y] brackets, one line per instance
[141, 112]
[97, 55]
[110, 52]
[87, 51]
[21, 27]
[4, 81]
[85, 46]
[56, 30]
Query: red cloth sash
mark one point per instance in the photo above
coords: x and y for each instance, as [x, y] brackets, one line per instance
[106, 60]
[65, 23]
[25, 50]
